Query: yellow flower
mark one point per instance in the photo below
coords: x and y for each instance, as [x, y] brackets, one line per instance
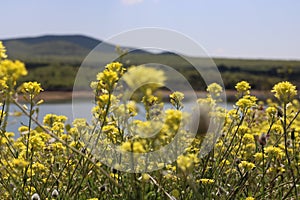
[259, 156]
[277, 129]
[247, 165]
[272, 111]
[176, 99]
[276, 170]
[214, 90]
[243, 130]
[58, 146]
[104, 100]
[77, 144]
[149, 100]
[108, 77]
[2, 51]
[145, 177]
[112, 132]
[173, 117]
[175, 193]
[79, 122]
[224, 162]
[186, 162]
[132, 110]
[284, 91]
[9, 134]
[206, 181]
[36, 141]
[250, 198]
[31, 88]
[116, 67]
[144, 77]
[138, 147]
[275, 152]
[19, 163]
[250, 146]
[171, 177]
[12, 70]
[38, 167]
[49, 119]
[230, 171]
[243, 87]
[248, 138]
[3, 84]
[58, 127]
[246, 102]
[171, 167]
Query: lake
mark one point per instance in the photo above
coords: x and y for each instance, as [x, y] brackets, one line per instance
[82, 109]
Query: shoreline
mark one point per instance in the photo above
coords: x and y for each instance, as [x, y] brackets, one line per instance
[59, 96]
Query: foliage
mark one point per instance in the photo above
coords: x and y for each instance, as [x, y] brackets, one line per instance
[256, 157]
[57, 58]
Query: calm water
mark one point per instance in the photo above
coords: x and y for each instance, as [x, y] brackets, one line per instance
[77, 110]
[61, 108]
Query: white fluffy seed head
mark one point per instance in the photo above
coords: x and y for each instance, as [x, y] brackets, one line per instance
[55, 193]
[35, 196]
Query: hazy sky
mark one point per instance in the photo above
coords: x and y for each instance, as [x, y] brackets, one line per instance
[225, 28]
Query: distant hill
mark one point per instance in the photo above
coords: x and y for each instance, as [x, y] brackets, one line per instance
[53, 60]
[52, 46]
[55, 46]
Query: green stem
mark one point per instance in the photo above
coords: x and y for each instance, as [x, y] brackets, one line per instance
[263, 175]
[6, 111]
[286, 148]
[25, 176]
[228, 150]
[65, 143]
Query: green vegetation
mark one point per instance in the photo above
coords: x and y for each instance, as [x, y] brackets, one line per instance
[54, 60]
[249, 152]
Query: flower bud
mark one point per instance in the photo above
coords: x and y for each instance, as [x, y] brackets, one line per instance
[262, 139]
[293, 134]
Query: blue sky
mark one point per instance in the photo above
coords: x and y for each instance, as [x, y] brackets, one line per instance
[225, 28]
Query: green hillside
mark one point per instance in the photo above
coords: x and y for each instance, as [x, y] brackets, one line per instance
[54, 61]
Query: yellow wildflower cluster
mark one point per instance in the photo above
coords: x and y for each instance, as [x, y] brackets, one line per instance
[256, 156]
[284, 91]
[243, 88]
[246, 165]
[187, 162]
[144, 78]
[31, 88]
[214, 90]
[106, 80]
[206, 181]
[11, 71]
[246, 102]
[2, 51]
[176, 99]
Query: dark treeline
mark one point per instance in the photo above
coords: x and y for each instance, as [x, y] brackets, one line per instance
[61, 75]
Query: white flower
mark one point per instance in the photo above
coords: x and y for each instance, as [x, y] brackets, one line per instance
[35, 196]
[55, 193]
